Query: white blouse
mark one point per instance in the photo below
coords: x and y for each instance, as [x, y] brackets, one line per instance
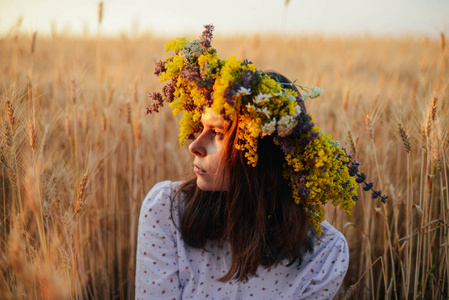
[168, 269]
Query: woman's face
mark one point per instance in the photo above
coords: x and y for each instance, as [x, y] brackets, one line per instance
[208, 148]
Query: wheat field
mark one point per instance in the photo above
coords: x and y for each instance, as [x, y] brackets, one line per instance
[78, 155]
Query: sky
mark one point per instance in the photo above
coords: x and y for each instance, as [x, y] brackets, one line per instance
[174, 17]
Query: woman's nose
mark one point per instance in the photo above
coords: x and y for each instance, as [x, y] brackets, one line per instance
[197, 147]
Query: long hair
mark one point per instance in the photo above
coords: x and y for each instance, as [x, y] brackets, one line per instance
[256, 216]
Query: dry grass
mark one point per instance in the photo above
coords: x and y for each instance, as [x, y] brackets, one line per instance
[77, 156]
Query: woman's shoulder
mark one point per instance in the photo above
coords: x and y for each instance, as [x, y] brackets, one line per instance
[331, 252]
[323, 271]
[331, 240]
[166, 187]
[330, 233]
[161, 191]
[156, 211]
[159, 198]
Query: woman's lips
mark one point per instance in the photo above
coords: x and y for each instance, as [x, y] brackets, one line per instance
[198, 170]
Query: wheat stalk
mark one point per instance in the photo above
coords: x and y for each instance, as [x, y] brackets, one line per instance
[81, 188]
[103, 122]
[137, 129]
[85, 119]
[404, 137]
[12, 176]
[110, 95]
[346, 99]
[30, 91]
[9, 107]
[429, 126]
[443, 42]
[32, 134]
[8, 135]
[79, 204]
[33, 43]
[73, 89]
[135, 95]
[433, 108]
[67, 127]
[3, 161]
[100, 12]
[30, 194]
[431, 117]
[369, 125]
[352, 144]
[127, 109]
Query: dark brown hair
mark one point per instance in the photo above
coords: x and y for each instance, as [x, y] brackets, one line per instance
[256, 216]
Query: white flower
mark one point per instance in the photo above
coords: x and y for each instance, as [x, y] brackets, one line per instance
[250, 107]
[262, 98]
[243, 91]
[314, 93]
[285, 125]
[290, 97]
[269, 128]
[297, 111]
[264, 111]
[191, 51]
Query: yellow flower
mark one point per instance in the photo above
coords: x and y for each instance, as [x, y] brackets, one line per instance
[176, 45]
[316, 170]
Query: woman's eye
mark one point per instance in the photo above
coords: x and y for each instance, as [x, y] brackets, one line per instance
[217, 133]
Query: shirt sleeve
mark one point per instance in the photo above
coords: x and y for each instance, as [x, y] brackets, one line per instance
[156, 258]
[329, 266]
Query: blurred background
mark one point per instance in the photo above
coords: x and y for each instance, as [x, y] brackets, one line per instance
[173, 17]
[78, 154]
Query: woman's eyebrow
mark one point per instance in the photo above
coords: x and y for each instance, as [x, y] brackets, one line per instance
[211, 123]
[218, 125]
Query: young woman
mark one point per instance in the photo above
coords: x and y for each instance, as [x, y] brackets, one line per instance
[251, 224]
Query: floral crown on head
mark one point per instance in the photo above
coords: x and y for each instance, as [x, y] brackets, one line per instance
[317, 168]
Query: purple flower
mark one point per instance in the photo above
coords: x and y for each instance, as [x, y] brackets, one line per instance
[360, 178]
[192, 74]
[247, 78]
[153, 108]
[230, 92]
[157, 97]
[304, 125]
[287, 147]
[353, 168]
[189, 106]
[246, 62]
[160, 68]
[206, 83]
[313, 136]
[206, 37]
[300, 178]
[368, 186]
[303, 191]
[208, 97]
[169, 91]
[376, 194]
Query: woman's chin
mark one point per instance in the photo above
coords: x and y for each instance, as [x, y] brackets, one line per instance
[204, 186]
[207, 186]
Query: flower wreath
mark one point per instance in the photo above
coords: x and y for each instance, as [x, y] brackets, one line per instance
[317, 168]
